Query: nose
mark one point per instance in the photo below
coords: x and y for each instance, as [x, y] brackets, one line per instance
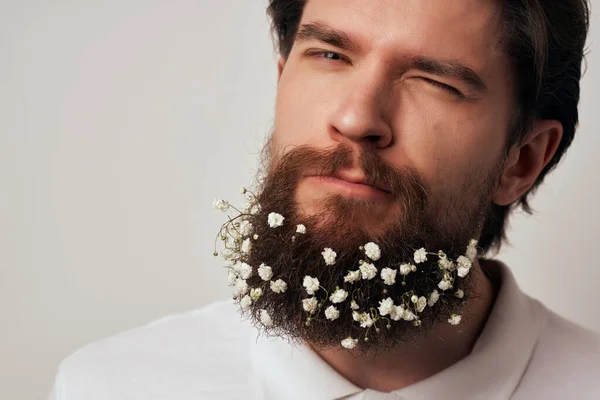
[361, 114]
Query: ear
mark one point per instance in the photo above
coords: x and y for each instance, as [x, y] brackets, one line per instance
[527, 161]
[280, 65]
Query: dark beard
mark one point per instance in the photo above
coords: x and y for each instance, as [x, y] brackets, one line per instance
[446, 224]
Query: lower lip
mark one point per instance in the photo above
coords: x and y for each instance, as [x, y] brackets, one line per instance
[350, 189]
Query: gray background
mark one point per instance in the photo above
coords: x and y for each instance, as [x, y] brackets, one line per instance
[121, 120]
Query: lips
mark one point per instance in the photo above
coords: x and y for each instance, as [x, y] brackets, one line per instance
[357, 177]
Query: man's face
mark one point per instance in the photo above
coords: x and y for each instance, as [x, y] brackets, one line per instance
[423, 84]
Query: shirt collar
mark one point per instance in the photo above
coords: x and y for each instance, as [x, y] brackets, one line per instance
[493, 369]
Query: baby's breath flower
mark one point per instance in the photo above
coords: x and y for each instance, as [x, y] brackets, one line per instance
[460, 293]
[310, 304]
[275, 220]
[368, 271]
[329, 256]
[386, 306]
[408, 315]
[421, 303]
[420, 256]
[245, 302]
[464, 265]
[397, 313]
[245, 228]
[246, 246]
[356, 315]
[256, 293]
[372, 251]
[265, 318]
[243, 269]
[240, 288]
[279, 286]
[365, 320]
[354, 305]
[301, 229]
[447, 264]
[454, 319]
[405, 269]
[221, 205]
[310, 284]
[265, 272]
[414, 298]
[352, 276]
[433, 298]
[232, 277]
[445, 284]
[243, 190]
[338, 296]
[389, 276]
[349, 343]
[255, 209]
[472, 250]
[332, 313]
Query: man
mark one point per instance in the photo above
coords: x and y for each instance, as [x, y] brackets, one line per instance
[406, 131]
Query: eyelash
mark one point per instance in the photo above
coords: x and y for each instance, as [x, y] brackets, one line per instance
[440, 85]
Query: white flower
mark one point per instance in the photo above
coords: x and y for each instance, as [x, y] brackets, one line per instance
[232, 277]
[310, 284]
[460, 293]
[365, 320]
[301, 229]
[368, 271]
[221, 205]
[386, 306]
[255, 209]
[421, 303]
[445, 284]
[246, 246]
[275, 220]
[265, 318]
[329, 256]
[433, 298]
[245, 228]
[356, 315]
[372, 251]
[243, 190]
[279, 286]
[408, 315]
[397, 313]
[255, 293]
[464, 265]
[354, 305]
[352, 276]
[245, 302]
[349, 343]
[472, 250]
[265, 272]
[332, 313]
[414, 298]
[240, 288]
[389, 276]
[420, 256]
[310, 304]
[454, 319]
[338, 296]
[243, 269]
[405, 269]
[447, 264]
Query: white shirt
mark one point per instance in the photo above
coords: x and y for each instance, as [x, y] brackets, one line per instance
[524, 352]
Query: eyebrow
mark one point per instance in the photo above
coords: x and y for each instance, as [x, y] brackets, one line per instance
[321, 32]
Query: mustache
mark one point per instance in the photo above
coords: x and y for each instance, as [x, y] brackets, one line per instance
[405, 181]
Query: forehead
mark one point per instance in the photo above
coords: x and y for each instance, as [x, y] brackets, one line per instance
[466, 30]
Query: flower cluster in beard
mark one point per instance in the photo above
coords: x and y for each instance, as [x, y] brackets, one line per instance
[399, 304]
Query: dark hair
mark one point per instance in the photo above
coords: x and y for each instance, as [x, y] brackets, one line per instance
[545, 40]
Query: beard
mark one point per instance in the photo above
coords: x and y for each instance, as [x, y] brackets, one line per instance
[414, 217]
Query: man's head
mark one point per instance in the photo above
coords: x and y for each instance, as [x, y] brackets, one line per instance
[451, 89]
[410, 125]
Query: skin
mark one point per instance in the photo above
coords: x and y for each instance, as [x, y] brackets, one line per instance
[372, 94]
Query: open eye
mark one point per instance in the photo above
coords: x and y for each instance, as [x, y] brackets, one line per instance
[445, 87]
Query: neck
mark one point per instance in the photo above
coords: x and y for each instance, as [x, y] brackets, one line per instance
[427, 356]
